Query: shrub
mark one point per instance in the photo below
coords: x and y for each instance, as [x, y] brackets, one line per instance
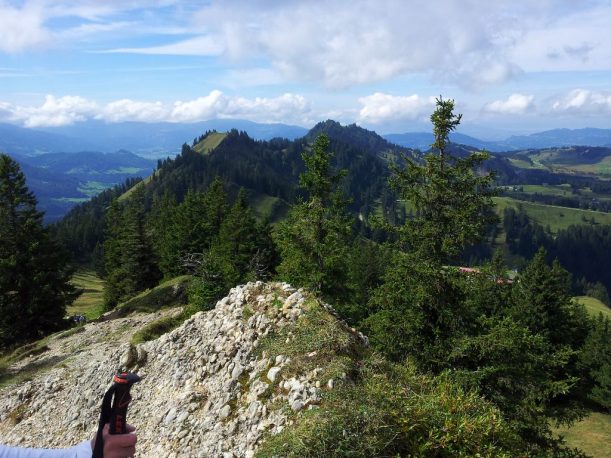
[392, 411]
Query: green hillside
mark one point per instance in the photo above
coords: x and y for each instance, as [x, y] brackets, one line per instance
[90, 302]
[594, 306]
[138, 185]
[556, 217]
[209, 143]
[574, 159]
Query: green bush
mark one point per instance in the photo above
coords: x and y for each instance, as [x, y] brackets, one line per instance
[391, 411]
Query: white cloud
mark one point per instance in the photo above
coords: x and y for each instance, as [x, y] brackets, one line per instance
[337, 44]
[584, 102]
[27, 24]
[198, 46]
[53, 112]
[287, 108]
[278, 109]
[131, 110]
[574, 41]
[22, 28]
[349, 42]
[207, 107]
[515, 104]
[378, 108]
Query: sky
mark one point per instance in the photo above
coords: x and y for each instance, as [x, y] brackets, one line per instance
[512, 66]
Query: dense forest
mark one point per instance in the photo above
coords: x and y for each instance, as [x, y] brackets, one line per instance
[382, 233]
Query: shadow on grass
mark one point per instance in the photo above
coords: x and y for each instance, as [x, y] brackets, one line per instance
[27, 372]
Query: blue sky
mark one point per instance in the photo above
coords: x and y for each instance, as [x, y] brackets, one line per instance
[512, 66]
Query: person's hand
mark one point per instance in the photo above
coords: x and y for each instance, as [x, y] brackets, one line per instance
[118, 445]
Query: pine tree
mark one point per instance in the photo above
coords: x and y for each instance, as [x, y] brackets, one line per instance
[451, 200]
[162, 220]
[542, 302]
[313, 239]
[420, 305]
[235, 245]
[128, 251]
[34, 271]
[596, 361]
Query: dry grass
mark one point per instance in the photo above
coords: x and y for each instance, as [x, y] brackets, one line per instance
[592, 435]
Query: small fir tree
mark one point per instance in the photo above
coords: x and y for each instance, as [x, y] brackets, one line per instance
[314, 237]
[34, 272]
[129, 257]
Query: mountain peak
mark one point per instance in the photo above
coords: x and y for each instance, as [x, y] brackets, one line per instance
[353, 135]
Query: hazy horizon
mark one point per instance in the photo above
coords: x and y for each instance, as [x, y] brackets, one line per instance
[512, 67]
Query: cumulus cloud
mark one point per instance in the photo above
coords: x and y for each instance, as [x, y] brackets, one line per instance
[350, 42]
[584, 102]
[71, 109]
[336, 44]
[22, 28]
[378, 108]
[53, 112]
[201, 108]
[132, 110]
[515, 104]
[277, 109]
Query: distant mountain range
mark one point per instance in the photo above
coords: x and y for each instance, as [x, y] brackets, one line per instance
[152, 140]
[63, 165]
[546, 139]
[62, 180]
[160, 140]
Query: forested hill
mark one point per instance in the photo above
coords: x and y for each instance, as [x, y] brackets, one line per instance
[355, 136]
[267, 170]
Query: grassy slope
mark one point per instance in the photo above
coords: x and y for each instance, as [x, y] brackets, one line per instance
[130, 191]
[592, 435]
[90, 303]
[594, 306]
[210, 142]
[556, 217]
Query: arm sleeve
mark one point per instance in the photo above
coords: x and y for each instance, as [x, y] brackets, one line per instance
[82, 450]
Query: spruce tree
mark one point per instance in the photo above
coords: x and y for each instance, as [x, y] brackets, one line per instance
[128, 251]
[596, 361]
[34, 272]
[162, 220]
[450, 198]
[313, 239]
[420, 305]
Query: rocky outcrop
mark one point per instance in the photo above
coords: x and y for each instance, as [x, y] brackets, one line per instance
[218, 385]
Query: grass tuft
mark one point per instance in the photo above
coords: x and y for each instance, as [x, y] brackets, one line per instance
[157, 328]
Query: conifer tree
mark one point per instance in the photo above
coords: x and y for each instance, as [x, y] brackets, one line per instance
[596, 361]
[419, 307]
[313, 239]
[542, 302]
[196, 224]
[128, 251]
[235, 245]
[451, 200]
[162, 220]
[34, 271]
